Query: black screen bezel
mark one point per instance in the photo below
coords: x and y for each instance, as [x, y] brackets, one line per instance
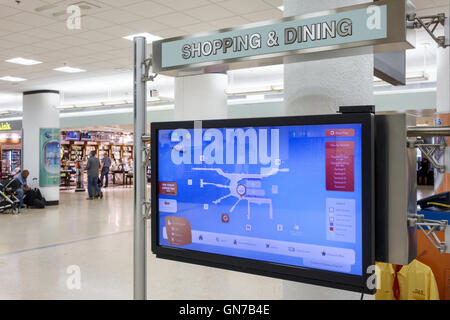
[299, 274]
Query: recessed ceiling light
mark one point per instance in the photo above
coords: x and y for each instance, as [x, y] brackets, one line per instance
[150, 37]
[281, 8]
[12, 79]
[69, 69]
[26, 62]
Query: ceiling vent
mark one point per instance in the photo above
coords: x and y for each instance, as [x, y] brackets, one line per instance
[59, 10]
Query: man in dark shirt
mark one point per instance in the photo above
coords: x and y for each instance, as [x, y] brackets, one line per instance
[106, 161]
[23, 188]
[92, 167]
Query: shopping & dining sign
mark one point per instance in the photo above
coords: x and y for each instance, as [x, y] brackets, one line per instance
[379, 23]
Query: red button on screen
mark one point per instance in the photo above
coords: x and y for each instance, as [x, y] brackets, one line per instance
[340, 133]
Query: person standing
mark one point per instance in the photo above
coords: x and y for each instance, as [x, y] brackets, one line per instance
[106, 161]
[423, 171]
[23, 187]
[93, 167]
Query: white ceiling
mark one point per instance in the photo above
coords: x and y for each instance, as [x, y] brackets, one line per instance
[98, 46]
[29, 30]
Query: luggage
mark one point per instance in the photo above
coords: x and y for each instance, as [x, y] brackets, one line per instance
[35, 199]
[39, 203]
[95, 194]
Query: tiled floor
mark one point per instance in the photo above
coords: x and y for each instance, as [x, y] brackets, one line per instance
[38, 246]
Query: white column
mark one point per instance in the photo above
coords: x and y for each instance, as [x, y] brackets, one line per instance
[320, 87]
[443, 80]
[442, 181]
[39, 111]
[201, 97]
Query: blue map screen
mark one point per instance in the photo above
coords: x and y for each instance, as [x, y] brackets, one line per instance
[290, 195]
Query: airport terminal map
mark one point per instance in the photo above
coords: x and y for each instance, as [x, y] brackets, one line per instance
[289, 195]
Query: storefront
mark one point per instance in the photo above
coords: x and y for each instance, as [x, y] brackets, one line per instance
[77, 144]
[11, 148]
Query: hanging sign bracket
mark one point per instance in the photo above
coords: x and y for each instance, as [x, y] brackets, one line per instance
[381, 25]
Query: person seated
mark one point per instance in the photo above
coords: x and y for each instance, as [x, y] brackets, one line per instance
[23, 187]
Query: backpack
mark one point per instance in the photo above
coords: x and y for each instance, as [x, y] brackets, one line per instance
[39, 203]
[35, 199]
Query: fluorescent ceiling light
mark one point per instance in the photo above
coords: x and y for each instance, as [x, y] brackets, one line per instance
[12, 79]
[392, 92]
[69, 69]
[281, 8]
[26, 62]
[254, 90]
[150, 37]
[11, 119]
[410, 77]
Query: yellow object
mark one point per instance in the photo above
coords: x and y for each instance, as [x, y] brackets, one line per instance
[438, 204]
[416, 282]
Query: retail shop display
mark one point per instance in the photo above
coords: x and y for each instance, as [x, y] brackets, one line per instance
[412, 282]
[10, 160]
[76, 146]
[233, 195]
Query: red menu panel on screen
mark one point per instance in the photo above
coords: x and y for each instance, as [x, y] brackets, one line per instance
[340, 133]
[340, 166]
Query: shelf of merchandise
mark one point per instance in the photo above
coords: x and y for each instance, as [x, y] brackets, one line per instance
[11, 159]
[103, 143]
[104, 149]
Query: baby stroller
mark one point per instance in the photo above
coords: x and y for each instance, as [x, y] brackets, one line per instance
[8, 200]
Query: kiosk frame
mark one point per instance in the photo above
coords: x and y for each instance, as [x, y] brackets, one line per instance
[287, 272]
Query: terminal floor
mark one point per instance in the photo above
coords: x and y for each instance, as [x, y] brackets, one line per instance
[37, 247]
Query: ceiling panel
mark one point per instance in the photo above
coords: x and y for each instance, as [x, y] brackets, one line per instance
[198, 27]
[229, 22]
[176, 19]
[93, 23]
[6, 11]
[209, 13]
[98, 46]
[274, 3]
[120, 3]
[31, 19]
[118, 31]
[13, 26]
[117, 15]
[183, 5]
[148, 9]
[146, 25]
[242, 7]
[264, 15]
[25, 5]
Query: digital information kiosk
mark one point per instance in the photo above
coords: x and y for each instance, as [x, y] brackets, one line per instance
[285, 197]
[290, 198]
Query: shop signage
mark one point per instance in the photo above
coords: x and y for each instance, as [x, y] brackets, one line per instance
[10, 125]
[4, 126]
[50, 155]
[377, 23]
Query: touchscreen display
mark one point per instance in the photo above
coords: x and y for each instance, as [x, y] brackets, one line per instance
[289, 195]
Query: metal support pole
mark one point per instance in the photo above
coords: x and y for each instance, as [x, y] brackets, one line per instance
[140, 180]
[428, 131]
